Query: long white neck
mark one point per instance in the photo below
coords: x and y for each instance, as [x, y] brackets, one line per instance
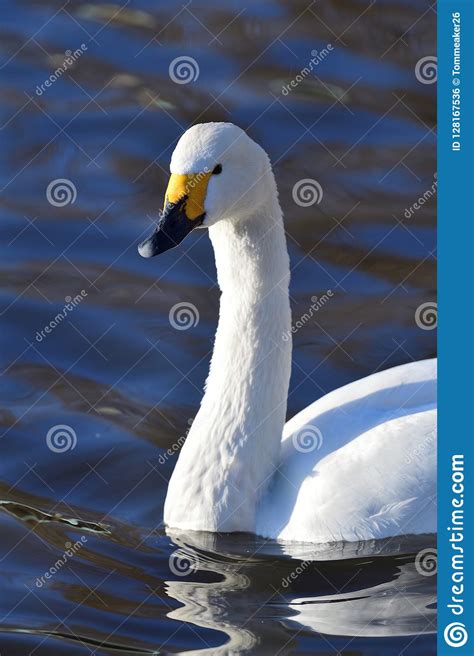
[233, 447]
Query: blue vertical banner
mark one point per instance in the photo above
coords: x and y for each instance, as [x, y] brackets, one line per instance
[456, 327]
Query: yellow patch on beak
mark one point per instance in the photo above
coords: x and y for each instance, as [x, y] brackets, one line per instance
[192, 185]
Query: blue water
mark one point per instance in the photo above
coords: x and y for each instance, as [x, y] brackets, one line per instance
[125, 383]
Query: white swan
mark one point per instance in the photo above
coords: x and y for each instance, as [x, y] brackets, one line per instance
[370, 471]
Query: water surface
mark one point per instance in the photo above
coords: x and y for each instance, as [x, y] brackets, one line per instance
[126, 383]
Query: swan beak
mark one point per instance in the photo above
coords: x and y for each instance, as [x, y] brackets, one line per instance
[183, 211]
[172, 228]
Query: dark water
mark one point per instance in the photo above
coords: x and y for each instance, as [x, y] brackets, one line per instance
[126, 384]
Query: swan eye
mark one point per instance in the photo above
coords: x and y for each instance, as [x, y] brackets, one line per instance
[217, 169]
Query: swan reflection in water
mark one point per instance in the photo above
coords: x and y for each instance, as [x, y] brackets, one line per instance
[267, 595]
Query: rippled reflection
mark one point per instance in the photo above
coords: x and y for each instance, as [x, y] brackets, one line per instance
[126, 382]
[383, 596]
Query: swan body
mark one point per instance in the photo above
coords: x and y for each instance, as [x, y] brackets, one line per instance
[358, 463]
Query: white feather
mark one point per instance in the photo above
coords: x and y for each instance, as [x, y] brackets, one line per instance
[372, 473]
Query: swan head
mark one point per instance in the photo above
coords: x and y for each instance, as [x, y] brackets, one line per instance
[216, 174]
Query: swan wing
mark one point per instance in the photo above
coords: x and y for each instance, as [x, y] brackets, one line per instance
[359, 463]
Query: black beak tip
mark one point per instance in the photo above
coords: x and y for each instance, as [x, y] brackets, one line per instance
[146, 248]
[173, 226]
